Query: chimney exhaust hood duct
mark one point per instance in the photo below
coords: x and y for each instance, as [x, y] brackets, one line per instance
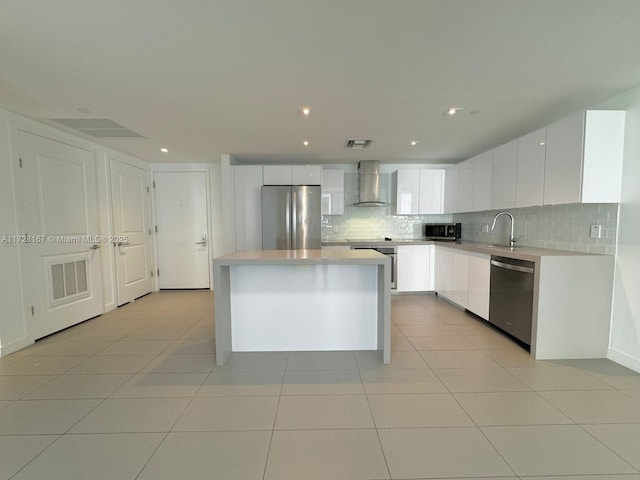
[369, 184]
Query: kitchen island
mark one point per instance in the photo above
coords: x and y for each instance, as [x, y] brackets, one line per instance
[302, 300]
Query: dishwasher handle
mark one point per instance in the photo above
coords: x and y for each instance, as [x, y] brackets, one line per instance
[509, 266]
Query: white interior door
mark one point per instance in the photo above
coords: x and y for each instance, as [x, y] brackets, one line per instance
[181, 219]
[130, 200]
[56, 187]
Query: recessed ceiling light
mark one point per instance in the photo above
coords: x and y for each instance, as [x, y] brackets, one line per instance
[83, 110]
[164, 150]
[413, 143]
[543, 143]
[305, 143]
[474, 112]
[305, 111]
[452, 111]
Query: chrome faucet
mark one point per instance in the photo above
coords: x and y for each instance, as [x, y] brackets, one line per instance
[512, 239]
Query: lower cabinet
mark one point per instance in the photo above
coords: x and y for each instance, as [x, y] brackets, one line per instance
[444, 270]
[463, 278]
[415, 268]
[460, 278]
[479, 276]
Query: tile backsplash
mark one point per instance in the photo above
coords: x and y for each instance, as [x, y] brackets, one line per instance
[373, 222]
[562, 227]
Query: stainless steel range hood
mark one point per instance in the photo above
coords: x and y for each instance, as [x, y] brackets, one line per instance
[369, 184]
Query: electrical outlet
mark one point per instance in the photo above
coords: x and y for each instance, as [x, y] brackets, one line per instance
[485, 228]
[336, 229]
[596, 231]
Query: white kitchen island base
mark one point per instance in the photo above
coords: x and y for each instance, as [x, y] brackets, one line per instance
[305, 300]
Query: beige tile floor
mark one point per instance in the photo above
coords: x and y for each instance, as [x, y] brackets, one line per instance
[135, 394]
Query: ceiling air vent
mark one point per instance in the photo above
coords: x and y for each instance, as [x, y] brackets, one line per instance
[357, 144]
[98, 127]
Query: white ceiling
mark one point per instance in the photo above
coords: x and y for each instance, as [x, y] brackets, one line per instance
[208, 77]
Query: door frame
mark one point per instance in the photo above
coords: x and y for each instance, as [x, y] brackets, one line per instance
[182, 168]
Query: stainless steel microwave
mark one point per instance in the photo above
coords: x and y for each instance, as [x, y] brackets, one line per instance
[443, 231]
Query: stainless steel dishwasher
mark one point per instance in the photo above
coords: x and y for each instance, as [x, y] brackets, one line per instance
[511, 296]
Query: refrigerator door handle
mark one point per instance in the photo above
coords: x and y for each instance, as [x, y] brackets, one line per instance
[288, 220]
[294, 222]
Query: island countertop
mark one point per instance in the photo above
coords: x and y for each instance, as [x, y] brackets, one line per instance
[312, 257]
[302, 300]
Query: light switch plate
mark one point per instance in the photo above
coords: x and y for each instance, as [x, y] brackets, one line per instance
[596, 231]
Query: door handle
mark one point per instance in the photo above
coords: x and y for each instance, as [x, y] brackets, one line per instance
[94, 247]
[123, 244]
[203, 242]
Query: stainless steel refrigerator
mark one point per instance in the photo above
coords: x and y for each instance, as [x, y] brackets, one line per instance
[291, 217]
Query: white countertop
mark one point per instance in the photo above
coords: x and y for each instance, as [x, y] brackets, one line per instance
[533, 254]
[296, 257]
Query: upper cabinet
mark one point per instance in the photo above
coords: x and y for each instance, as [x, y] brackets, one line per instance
[505, 158]
[530, 172]
[406, 184]
[584, 158]
[482, 181]
[451, 190]
[418, 191]
[431, 191]
[465, 186]
[333, 192]
[292, 174]
[306, 175]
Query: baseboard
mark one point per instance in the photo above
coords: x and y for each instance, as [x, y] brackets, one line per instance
[15, 346]
[623, 359]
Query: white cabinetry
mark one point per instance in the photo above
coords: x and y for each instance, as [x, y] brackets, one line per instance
[443, 257]
[505, 158]
[277, 174]
[530, 171]
[431, 191]
[306, 175]
[333, 192]
[407, 191]
[479, 276]
[465, 186]
[584, 158]
[451, 190]
[482, 181]
[247, 181]
[415, 268]
[460, 279]
[418, 191]
[292, 174]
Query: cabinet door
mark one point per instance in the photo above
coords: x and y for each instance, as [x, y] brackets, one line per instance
[482, 181]
[563, 166]
[407, 190]
[460, 279]
[465, 186]
[603, 154]
[247, 181]
[333, 192]
[415, 268]
[277, 174]
[451, 190]
[444, 270]
[431, 191]
[505, 164]
[479, 275]
[306, 175]
[530, 171]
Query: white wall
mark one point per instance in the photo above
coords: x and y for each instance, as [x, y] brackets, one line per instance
[14, 328]
[624, 345]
